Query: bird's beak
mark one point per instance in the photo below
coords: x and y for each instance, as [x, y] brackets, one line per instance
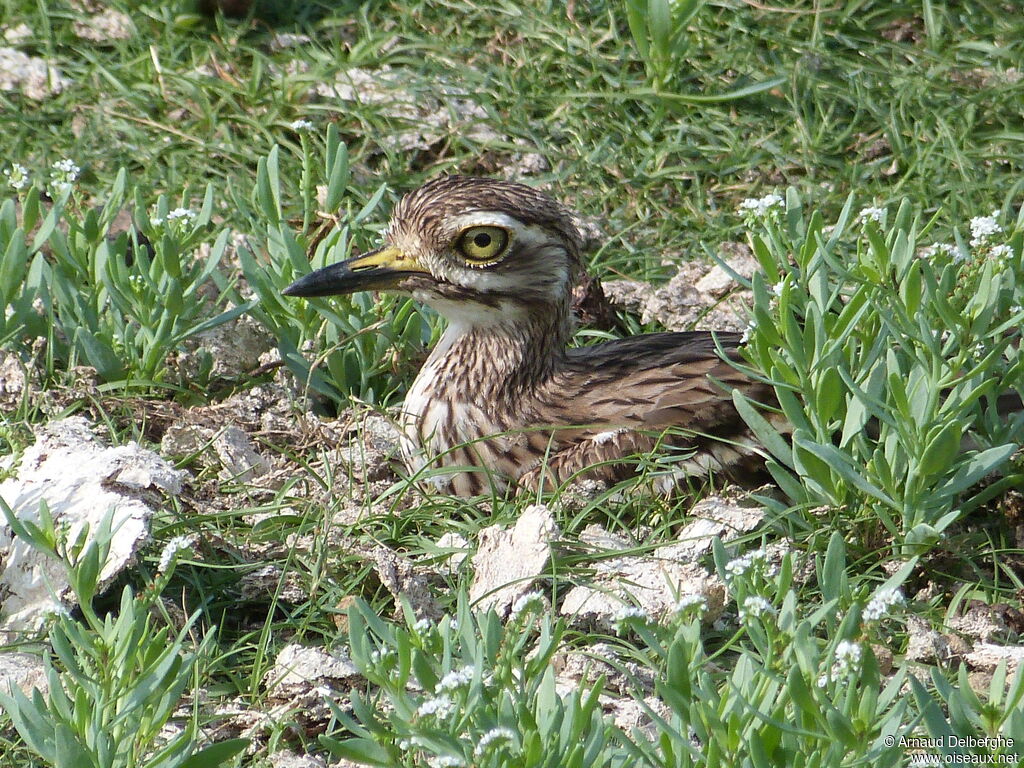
[374, 271]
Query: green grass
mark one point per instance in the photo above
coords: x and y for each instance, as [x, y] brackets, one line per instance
[886, 101]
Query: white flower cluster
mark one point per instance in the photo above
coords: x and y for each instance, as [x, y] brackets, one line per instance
[442, 706]
[755, 606]
[495, 734]
[746, 332]
[64, 175]
[445, 761]
[740, 565]
[17, 176]
[631, 612]
[526, 601]
[871, 213]
[301, 125]
[879, 605]
[181, 213]
[759, 207]
[171, 549]
[847, 660]
[933, 250]
[455, 679]
[983, 227]
[692, 601]
[422, 626]
[178, 214]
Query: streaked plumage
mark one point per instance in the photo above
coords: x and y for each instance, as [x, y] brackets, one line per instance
[501, 390]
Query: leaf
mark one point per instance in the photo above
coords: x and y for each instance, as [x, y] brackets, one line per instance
[828, 394]
[32, 721]
[833, 571]
[69, 751]
[363, 751]
[337, 170]
[768, 436]
[977, 467]
[216, 754]
[636, 20]
[839, 462]
[100, 355]
[717, 98]
[941, 450]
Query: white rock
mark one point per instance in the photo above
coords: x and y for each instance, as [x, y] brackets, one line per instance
[22, 670]
[987, 656]
[239, 457]
[80, 479]
[300, 667]
[35, 78]
[508, 561]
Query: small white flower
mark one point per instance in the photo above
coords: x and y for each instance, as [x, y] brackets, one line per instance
[754, 606]
[64, 175]
[381, 654]
[746, 332]
[632, 612]
[17, 176]
[68, 168]
[301, 125]
[740, 565]
[933, 250]
[157, 221]
[983, 227]
[442, 706]
[181, 213]
[847, 660]
[453, 625]
[422, 625]
[445, 761]
[871, 213]
[493, 735]
[171, 549]
[691, 601]
[455, 679]
[848, 653]
[777, 288]
[1001, 251]
[1016, 308]
[879, 605]
[759, 207]
[526, 601]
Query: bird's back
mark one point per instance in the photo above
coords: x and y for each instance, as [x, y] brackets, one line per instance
[615, 400]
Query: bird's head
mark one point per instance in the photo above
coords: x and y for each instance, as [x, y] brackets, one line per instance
[468, 247]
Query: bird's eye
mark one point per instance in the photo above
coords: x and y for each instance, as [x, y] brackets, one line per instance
[483, 245]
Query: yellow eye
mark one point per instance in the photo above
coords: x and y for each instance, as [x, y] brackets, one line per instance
[483, 245]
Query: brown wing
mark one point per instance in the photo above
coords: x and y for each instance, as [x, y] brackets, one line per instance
[624, 393]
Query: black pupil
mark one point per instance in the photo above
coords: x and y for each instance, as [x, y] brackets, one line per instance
[482, 240]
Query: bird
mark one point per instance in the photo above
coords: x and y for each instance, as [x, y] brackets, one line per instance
[503, 401]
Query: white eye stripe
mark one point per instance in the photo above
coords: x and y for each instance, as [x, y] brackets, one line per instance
[485, 219]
